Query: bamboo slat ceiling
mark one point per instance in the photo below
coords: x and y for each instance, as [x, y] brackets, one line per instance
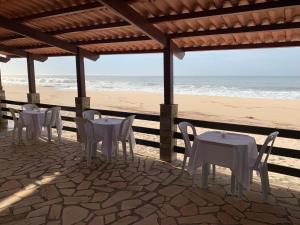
[192, 24]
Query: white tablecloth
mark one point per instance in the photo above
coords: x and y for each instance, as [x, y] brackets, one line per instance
[34, 121]
[234, 151]
[107, 130]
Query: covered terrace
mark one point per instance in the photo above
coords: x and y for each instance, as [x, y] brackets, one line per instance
[49, 184]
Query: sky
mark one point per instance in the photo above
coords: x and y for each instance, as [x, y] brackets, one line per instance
[254, 62]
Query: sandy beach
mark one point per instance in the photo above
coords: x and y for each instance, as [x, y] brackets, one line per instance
[260, 112]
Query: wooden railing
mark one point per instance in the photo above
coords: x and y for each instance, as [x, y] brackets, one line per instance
[285, 133]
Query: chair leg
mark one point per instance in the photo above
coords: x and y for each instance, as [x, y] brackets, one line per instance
[13, 135]
[251, 176]
[124, 149]
[131, 149]
[263, 185]
[267, 180]
[183, 164]
[19, 135]
[59, 135]
[49, 131]
[214, 171]
[232, 183]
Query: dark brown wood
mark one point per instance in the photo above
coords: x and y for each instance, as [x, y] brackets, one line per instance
[80, 73]
[227, 11]
[166, 18]
[20, 52]
[258, 28]
[4, 59]
[131, 16]
[60, 12]
[31, 73]
[1, 87]
[168, 75]
[38, 35]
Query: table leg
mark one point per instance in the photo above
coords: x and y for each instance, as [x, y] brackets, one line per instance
[204, 176]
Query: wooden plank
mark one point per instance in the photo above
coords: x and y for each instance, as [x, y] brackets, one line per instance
[40, 36]
[80, 73]
[294, 134]
[131, 16]
[183, 16]
[253, 29]
[168, 75]
[258, 28]
[268, 5]
[20, 52]
[31, 74]
[4, 59]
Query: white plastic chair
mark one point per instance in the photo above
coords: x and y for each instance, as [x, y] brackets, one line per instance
[18, 125]
[29, 107]
[87, 138]
[51, 121]
[90, 114]
[124, 135]
[183, 127]
[260, 164]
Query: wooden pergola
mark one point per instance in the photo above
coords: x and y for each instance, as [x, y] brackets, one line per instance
[37, 29]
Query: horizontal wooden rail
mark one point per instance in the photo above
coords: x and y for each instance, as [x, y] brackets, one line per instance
[64, 108]
[139, 116]
[294, 134]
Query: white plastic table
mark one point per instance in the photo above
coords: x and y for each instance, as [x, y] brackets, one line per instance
[35, 119]
[107, 130]
[234, 151]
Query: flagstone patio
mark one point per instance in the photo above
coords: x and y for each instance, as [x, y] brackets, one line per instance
[49, 183]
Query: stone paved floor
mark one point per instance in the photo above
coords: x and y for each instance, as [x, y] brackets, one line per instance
[50, 184]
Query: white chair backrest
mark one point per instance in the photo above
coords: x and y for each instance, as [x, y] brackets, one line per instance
[266, 148]
[183, 127]
[53, 116]
[14, 113]
[125, 127]
[29, 107]
[90, 114]
[85, 129]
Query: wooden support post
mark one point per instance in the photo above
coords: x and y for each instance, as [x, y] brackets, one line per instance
[3, 122]
[81, 101]
[168, 110]
[32, 96]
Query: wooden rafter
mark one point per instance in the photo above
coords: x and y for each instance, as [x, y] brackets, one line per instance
[20, 52]
[258, 28]
[4, 59]
[131, 16]
[40, 36]
[154, 20]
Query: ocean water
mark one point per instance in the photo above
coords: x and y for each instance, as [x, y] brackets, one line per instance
[285, 87]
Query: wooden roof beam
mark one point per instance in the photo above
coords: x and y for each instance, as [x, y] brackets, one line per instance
[259, 28]
[20, 52]
[192, 15]
[4, 59]
[122, 9]
[40, 36]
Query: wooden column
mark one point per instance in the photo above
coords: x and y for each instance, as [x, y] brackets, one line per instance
[81, 101]
[168, 110]
[3, 123]
[168, 75]
[32, 96]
